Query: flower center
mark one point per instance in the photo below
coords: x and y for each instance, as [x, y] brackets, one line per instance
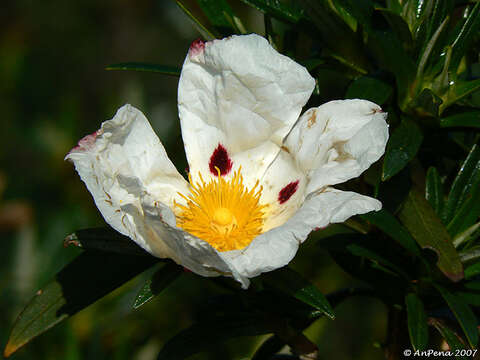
[224, 213]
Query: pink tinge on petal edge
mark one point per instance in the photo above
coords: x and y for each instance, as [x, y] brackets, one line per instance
[87, 142]
[196, 47]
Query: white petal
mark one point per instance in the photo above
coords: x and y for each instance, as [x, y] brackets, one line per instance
[121, 162]
[240, 93]
[277, 247]
[338, 141]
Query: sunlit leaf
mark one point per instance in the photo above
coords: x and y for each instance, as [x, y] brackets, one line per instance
[434, 191]
[104, 239]
[466, 119]
[467, 178]
[392, 227]
[464, 315]
[401, 148]
[420, 219]
[417, 322]
[460, 89]
[136, 66]
[155, 285]
[85, 280]
[369, 88]
[294, 284]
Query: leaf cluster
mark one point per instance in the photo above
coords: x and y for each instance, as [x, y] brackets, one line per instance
[419, 255]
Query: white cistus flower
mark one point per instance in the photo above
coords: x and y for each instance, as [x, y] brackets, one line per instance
[260, 177]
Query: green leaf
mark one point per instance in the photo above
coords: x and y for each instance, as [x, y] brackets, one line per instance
[453, 340]
[202, 336]
[434, 190]
[288, 11]
[460, 89]
[466, 235]
[464, 37]
[104, 239]
[417, 322]
[157, 283]
[358, 250]
[466, 119]
[294, 284]
[467, 214]
[202, 29]
[467, 178]
[85, 280]
[399, 26]
[469, 298]
[136, 66]
[472, 271]
[401, 148]
[390, 226]
[220, 15]
[427, 103]
[427, 51]
[472, 253]
[464, 315]
[369, 88]
[426, 228]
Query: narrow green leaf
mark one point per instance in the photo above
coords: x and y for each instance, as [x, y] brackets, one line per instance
[294, 284]
[466, 119]
[417, 322]
[288, 11]
[136, 66]
[369, 88]
[464, 37]
[429, 48]
[469, 254]
[469, 298]
[464, 315]
[85, 280]
[392, 227]
[202, 336]
[460, 89]
[104, 239]
[466, 235]
[202, 29]
[157, 283]
[472, 270]
[220, 15]
[427, 103]
[399, 26]
[453, 340]
[467, 178]
[434, 190]
[467, 214]
[426, 228]
[401, 148]
[358, 250]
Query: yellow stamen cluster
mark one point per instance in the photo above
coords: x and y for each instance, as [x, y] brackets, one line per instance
[223, 213]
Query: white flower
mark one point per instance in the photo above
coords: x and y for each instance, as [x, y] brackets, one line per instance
[260, 176]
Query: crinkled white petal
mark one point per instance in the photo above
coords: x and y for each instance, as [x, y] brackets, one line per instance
[338, 141]
[121, 162]
[277, 247]
[241, 93]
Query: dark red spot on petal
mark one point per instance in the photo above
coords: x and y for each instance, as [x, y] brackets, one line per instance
[220, 160]
[197, 47]
[287, 192]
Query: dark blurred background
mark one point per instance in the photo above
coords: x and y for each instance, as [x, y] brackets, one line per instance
[53, 91]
